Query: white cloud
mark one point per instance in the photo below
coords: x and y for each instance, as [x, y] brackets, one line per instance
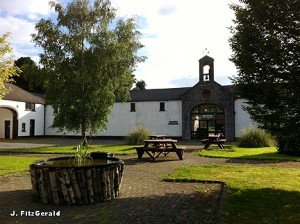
[28, 8]
[19, 28]
[18, 18]
[175, 34]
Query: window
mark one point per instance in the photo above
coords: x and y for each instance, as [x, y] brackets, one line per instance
[30, 106]
[132, 107]
[162, 106]
[23, 127]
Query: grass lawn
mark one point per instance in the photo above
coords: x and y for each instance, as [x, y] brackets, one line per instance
[247, 153]
[115, 149]
[13, 164]
[256, 194]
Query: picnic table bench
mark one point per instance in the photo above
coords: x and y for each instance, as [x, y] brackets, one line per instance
[214, 139]
[155, 147]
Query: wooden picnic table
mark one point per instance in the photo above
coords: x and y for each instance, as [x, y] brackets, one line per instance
[213, 139]
[155, 147]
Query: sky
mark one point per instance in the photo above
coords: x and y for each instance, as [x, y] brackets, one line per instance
[175, 35]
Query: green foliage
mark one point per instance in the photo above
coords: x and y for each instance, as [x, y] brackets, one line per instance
[289, 144]
[265, 44]
[89, 56]
[82, 156]
[7, 67]
[137, 135]
[255, 138]
[140, 85]
[31, 77]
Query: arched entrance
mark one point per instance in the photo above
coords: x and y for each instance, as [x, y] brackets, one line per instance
[8, 123]
[207, 119]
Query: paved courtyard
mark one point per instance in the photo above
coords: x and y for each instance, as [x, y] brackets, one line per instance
[144, 197]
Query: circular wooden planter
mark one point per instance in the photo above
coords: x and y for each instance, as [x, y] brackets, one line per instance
[56, 182]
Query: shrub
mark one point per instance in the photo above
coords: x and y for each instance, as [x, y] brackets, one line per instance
[255, 138]
[289, 144]
[137, 135]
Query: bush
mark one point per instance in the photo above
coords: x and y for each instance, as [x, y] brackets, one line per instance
[137, 135]
[289, 144]
[255, 138]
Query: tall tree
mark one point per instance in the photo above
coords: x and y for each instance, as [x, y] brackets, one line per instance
[266, 51]
[7, 67]
[31, 76]
[90, 57]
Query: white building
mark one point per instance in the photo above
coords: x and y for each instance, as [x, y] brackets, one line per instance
[21, 114]
[191, 112]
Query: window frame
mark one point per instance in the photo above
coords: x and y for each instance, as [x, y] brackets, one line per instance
[29, 106]
[162, 106]
[132, 107]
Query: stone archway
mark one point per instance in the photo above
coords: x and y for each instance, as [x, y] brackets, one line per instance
[207, 119]
[8, 123]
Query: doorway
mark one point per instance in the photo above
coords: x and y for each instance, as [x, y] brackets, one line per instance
[7, 129]
[207, 119]
[32, 127]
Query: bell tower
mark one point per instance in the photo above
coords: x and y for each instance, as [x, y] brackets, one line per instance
[206, 69]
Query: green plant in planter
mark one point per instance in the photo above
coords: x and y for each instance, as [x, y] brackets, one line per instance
[82, 156]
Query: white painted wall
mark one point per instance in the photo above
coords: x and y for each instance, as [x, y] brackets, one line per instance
[122, 120]
[242, 118]
[23, 116]
[146, 114]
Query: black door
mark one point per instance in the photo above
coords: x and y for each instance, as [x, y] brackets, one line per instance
[32, 127]
[7, 129]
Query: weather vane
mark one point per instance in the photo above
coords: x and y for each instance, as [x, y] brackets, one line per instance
[206, 51]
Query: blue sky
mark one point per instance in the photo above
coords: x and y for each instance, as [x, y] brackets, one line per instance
[176, 34]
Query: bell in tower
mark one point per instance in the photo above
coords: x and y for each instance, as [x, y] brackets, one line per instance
[206, 69]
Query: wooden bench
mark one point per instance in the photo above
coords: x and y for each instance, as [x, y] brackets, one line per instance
[213, 140]
[155, 152]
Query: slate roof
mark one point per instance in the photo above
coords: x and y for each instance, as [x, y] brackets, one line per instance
[157, 94]
[18, 94]
[163, 94]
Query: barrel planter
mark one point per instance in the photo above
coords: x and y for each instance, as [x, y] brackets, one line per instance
[55, 181]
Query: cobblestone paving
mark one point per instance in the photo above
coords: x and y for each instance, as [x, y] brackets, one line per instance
[144, 197]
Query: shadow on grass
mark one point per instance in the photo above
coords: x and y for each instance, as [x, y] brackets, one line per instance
[266, 205]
